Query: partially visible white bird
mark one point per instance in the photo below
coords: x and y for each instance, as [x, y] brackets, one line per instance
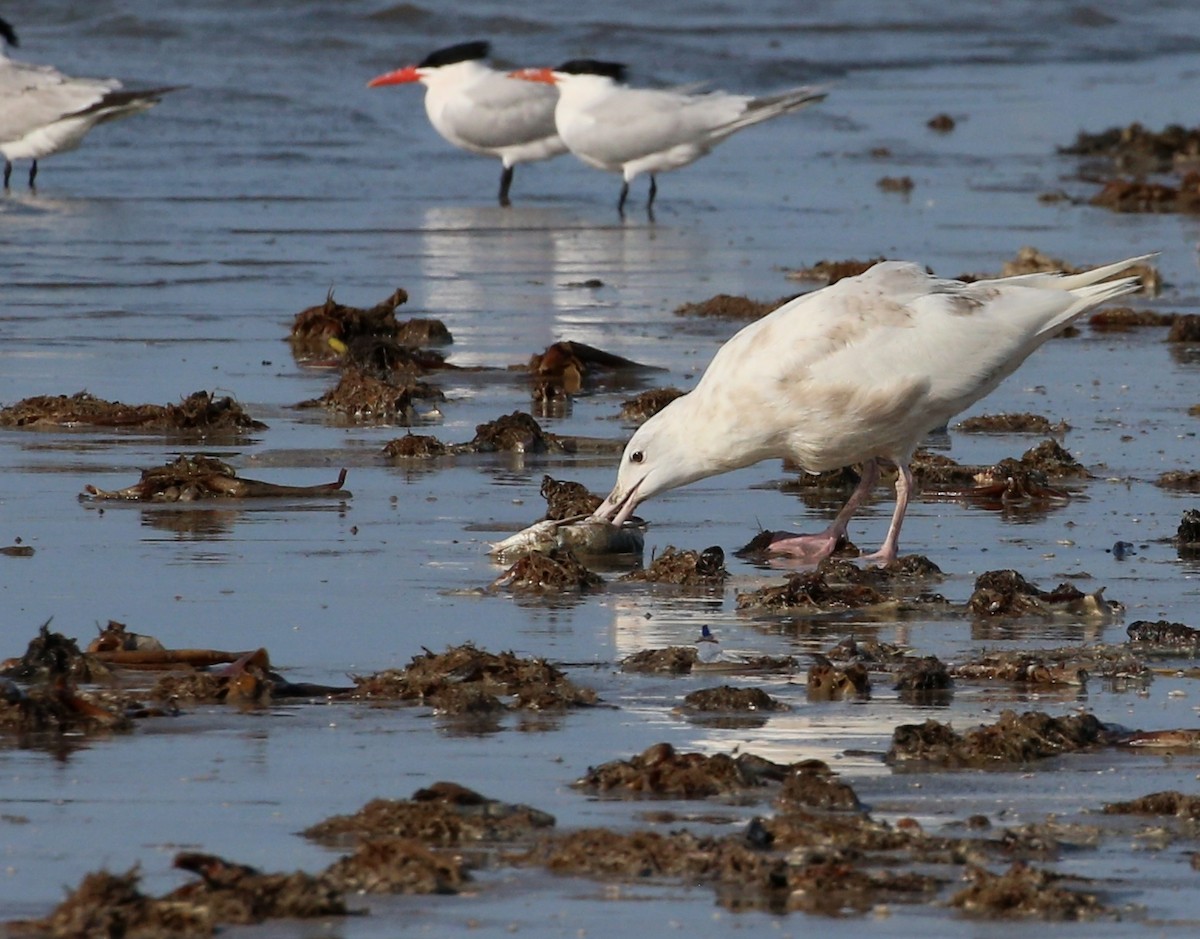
[43, 111]
[631, 131]
[858, 372]
[483, 110]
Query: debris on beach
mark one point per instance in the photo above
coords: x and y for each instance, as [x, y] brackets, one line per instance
[444, 814]
[1124, 317]
[415, 447]
[1024, 892]
[314, 327]
[642, 407]
[554, 570]
[1171, 803]
[662, 770]
[364, 397]
[397, 866]
[1007, 593]
[1180, 480]
[569, 367]
[465, 678]
[1038, 669]
[1014, 739]
[923, 680]
[517, 432]
[1164, 634]
[943, 123]
[830, 272]
[1186, 327]
[193, 478]
[1023, 423]
[1137, 149]
[568, 526]
[829, 682]
[567, 499]
[810, 591]
[901, 184]
[1187, 535]
[684, 568]
[387, 359]
[200, 414]
[730, 698]
[50, 655]
[728, 306]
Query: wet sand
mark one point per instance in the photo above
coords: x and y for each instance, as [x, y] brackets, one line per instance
[170, 254]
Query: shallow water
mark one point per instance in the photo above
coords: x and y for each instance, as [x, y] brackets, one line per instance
[170, 253]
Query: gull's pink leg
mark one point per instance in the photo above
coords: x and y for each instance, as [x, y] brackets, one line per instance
[811, 549]
[891, 544]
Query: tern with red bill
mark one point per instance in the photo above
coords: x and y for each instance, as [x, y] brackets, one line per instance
[632, 131]
[855, 373]
[43, 111]
[483, 110]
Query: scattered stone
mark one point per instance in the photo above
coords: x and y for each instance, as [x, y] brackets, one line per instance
[729, 698]
[942, 123]
[641, 408]
[1024, 892]
[727, 306]
[1023, 423]
[194, 478]
[199, 414]
[830, 272]
[661, 770]
[1015, 739]
[456, 681]
[684, 568]
[1007, 593]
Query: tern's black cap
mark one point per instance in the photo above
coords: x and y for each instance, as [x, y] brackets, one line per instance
[463, 52]
[614, 70]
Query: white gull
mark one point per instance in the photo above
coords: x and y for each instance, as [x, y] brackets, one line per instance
[857, 372]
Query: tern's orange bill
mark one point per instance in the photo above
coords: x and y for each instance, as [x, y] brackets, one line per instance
[544, 75]
[402, 76]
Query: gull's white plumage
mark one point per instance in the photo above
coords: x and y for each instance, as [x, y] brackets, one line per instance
[43, 111]
[857, 372]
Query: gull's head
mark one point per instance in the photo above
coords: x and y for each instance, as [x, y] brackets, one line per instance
[658, 457]
[436, 63]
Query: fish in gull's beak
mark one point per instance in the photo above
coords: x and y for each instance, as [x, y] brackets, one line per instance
[618, 507]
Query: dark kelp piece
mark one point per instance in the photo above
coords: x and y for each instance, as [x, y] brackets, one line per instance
[441, 680]
[313, 327]
[1187, 535]
[673, 660]
[1164, 633]
[828, 682]
[1007, 593]
[1121, 194]
[566, 499]
[1015, 739]
[642, 407]
[1158, 803]
[240, 894]
[364, 397]
[684, 568]
[557, 570]
[199, 414]
[810, 591]
[728, 306]
[1019, 423]
[1123, 317]
[444, 814]
[1137, 149]
[50, 655]
[517, 432]
[1024, 892]
[568, 367]
[1186, 327]
[661, 770]
[397, 866]
[193, 478]
[1180, 480]
[729, 698]
[830, 272]
[415, 447]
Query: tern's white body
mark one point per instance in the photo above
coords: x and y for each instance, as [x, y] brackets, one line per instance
[855, 373]
[643, 130]
[43, 111]
[482, 110]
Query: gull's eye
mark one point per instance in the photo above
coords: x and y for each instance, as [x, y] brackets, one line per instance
[636, 456]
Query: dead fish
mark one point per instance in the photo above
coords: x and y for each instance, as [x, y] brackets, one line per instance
[582, 534]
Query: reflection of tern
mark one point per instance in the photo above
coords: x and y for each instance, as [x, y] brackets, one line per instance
[43, 111]
[482, 110]
[858, 372]
[644, 130]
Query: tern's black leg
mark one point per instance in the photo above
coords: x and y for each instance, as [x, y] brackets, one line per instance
[505, 181]
[650, 201]
[33, 174]
[7, 172]
[621, 201]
